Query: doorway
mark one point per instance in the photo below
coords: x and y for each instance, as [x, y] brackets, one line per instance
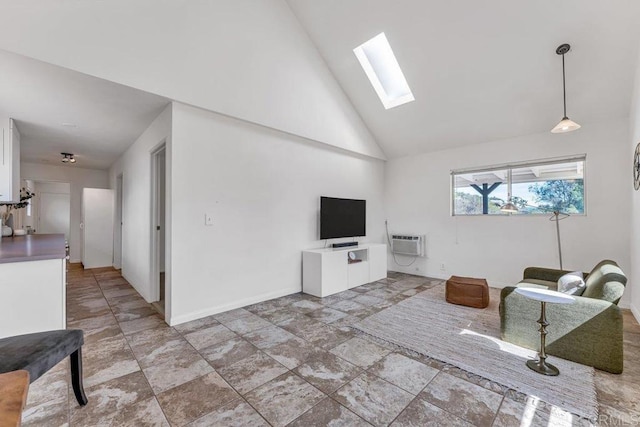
[118, 224]
[158, 231]
[49, 211]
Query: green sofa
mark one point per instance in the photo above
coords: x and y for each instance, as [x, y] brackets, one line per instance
[588, 331]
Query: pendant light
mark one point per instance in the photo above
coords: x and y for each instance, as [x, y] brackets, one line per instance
[566, 124]
[509, 207]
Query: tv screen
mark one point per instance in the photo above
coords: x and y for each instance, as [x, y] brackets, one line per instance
[342, 217]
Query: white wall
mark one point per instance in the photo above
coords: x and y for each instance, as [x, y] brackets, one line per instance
[634, 223]
[263, 189]
[417, 200]
[135, 167]
[78, 178]
[245, 59]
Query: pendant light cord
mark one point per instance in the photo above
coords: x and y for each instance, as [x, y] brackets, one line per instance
[564, 90]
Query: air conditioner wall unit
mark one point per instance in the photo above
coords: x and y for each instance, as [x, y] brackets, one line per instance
[408, 244]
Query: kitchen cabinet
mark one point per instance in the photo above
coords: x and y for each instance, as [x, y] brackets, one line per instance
[10, 163]
[32, 284]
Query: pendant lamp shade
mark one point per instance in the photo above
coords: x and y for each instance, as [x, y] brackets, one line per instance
[509, 208]
[566, 124]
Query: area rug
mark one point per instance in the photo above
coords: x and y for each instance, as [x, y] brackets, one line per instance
[469, 338]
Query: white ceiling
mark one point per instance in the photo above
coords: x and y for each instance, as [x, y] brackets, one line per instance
[481, 70]
[40, 97]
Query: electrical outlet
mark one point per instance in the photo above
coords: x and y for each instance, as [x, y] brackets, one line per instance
[208, 219]
[442, 266]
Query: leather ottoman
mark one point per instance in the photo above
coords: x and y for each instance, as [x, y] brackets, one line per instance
[467, 291]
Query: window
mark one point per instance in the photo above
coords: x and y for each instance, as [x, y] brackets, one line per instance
[536, 187]
[381, 66]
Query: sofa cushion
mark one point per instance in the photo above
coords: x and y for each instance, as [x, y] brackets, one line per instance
[606, 282]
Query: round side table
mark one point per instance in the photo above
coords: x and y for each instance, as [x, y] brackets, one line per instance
[544, 296]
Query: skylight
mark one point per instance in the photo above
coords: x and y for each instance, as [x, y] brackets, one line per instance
[382, 68]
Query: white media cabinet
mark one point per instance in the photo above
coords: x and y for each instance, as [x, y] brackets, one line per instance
[328, 271]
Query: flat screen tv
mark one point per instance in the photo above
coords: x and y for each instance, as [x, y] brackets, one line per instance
[342, 218]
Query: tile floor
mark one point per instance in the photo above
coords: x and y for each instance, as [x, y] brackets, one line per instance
[289, 361]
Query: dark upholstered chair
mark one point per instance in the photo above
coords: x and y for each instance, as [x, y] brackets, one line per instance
[39, 352]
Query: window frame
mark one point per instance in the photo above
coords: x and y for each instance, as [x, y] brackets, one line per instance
[517, 165]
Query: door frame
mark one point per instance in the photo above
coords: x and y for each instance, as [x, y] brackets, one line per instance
[40, 206]
[36, 209]
[154, 273]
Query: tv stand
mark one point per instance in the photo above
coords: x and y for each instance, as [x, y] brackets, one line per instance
[329, 270]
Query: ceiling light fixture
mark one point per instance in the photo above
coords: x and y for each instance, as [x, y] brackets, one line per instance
[68, 158]
[566, 124]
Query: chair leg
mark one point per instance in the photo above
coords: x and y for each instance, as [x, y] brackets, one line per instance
[76, 376]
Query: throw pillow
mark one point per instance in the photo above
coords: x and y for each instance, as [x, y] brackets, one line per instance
[571, 283]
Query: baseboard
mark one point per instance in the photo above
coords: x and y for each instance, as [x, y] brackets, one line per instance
[183, 318]
[438, 276]
[445, 276]
[428, 275]
[635, 312]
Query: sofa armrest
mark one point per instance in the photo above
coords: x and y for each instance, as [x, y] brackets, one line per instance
[588, 331]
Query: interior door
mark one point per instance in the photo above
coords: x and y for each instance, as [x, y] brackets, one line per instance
[97, 223]
[54, 213]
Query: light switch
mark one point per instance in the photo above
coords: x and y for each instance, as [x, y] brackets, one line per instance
[208, 219]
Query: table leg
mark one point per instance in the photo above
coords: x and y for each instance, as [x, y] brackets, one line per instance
[540, 365]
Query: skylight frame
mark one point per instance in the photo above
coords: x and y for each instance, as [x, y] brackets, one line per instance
[383, 70]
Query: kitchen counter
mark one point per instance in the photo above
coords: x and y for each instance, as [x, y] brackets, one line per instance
[32, 247]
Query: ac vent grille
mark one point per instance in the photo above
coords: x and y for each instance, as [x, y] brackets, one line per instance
[403, 244]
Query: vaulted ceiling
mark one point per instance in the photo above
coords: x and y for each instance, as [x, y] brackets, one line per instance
[481, 70]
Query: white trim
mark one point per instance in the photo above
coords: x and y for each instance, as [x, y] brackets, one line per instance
[154, 271]
[439, 276]
[635, 312]
[183, 318]
[513, 165]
